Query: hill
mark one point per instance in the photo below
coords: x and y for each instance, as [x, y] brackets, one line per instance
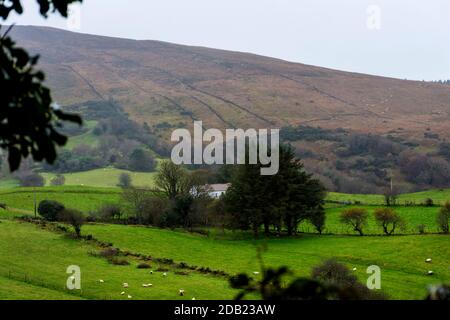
[346, 117]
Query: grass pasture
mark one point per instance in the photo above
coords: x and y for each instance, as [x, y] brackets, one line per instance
[104, 177]
[33, 265]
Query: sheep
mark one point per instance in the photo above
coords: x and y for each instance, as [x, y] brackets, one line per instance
[430, 273]
[129, 297]
[256, 273]
[164, 274]
[101, 281]
[122, 293]
[181, 292]
[147, 285]
[354, 269]
[125, 285]
[193, 298]
[428, 260]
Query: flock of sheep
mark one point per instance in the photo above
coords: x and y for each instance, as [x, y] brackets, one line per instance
[125, 285]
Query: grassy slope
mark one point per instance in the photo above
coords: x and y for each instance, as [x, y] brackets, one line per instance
[93, 198]
[82, 198]
[439, 196]
[41, 258]
[105, 177]
[401, 258]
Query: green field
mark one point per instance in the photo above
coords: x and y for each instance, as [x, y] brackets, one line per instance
[33, 265]
[32, 259]
[105, 177]
[439, 196]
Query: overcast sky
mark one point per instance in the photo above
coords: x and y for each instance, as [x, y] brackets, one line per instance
[398, 38]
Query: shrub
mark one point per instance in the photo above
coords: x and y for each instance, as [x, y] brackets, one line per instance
[58, 180]
[335, 273]
[73, 217]
[32, 180]
[143, 266]
[388, 219]
[110, 212]
[356, 218]
[429, 202]
[443, 217]
[50, 209]
[124, 180]
[421, 228]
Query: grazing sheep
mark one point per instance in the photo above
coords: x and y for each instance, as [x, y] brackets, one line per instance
[122, 293]
[256, 273]
[181, 292]
[125, 285]
[430, 273]
[428, 260]
[164, 274]
[147, 285]
[193, 298]
[354, 269]
[101, 281]
[129, 297]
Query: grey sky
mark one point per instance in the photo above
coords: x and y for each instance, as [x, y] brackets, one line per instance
[413, 41]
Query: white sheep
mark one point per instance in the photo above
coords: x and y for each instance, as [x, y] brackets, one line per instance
[430, 272]
[125, 285]
[147, 285]
[354, 269]
[101, 281]
[129, 297]
[122, 293]
[193, 298]
[256, 273]
[164, 274]
[181, 292]
[428, 260]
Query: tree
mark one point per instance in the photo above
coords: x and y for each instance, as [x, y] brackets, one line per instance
[390, 197]
[356, 218]
[318, 219]
[172, 179]
[73, 217]
[286, 198]
[388, 219]
[124, 180]
[58, 180]
[28, 118]
[141, 160]
[443, 217]
[135, 199]
[50, 209]
[31, 179]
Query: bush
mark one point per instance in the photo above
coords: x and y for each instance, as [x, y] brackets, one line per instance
[32, 180]
[50, 209]
[118, 261]
[58, 180]
[388, 219]
[443, 218]
[429, 202]
[73, 217]
[110, 212]
[421, 228]
[335, 273]
[144, 266]
[356, 218]
[124, 180]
